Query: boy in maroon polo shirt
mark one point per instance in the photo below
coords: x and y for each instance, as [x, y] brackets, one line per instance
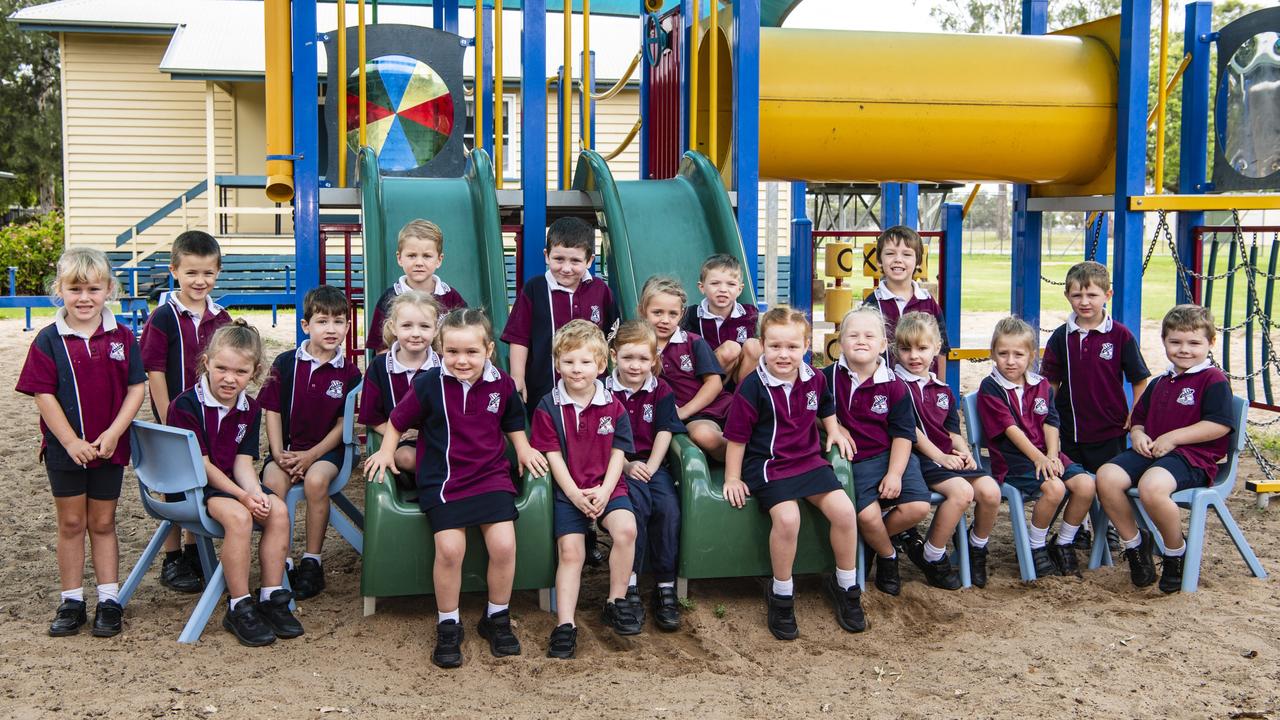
[726, 324]
[1087, 360]
[1021, 425]
[420, 253]
[1179, 433]
[303, 400]
[172, 341]
[899, 250]
[586, 433]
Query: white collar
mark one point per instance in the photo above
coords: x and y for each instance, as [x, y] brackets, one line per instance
[884, 293]
[704, 311]
[882, 373]
[205, 395]
[804, 375]
[552, 284]
[60, 320]
[338, 360]
[679, 336]
[402, 286]
[1105, 327]
[490, 373]
[560, 395]
[211, 307]
[1172, 371]
[1032, 380]
[394, 366]
[909, 376]
[613, 383]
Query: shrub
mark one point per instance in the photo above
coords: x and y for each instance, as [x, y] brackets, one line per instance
[33, 248]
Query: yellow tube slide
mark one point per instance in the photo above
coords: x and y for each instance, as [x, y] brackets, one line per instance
[279, 100]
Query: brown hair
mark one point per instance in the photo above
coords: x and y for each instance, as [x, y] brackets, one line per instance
[720, 261]
[414, 298]
[326, 300]
[915, 327]
[784, 315]
[661, 285]
[240, 336]
[901, 234]
[420, 229]
[637, 332]
[196, 243]
[83, 265]
[1188, 318]
[464, 318]
[1084, 274]
[1017, 327]
[580, 333]
[573, 233]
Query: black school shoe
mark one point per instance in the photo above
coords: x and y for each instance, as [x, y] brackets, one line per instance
[275, 611]
[1083, 540]
[781, 615]
[1171, 573]
[69, 619]
[595, 556]
[496, 628]
[1142, 566]
[448, 652]
[564, 642]
[847, 603]
[941, 574]
[1064, 557]
[177, 573]
[246, 623]
[1043, 561]
[978, 565]
[307, 579]
[108, 619]
[637, 605]
[910, 542]
[887, 581]
[666, 609]
[620, 616]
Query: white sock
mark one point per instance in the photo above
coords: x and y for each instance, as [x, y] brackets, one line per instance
[288, 563]
[109, 591]
[784, 588]
[313, 556]
[493, 609]
[846, 578]
[265, 593]
[451, 615]
[669, 583]
[632, 582]
[1176, 552]
[1037, 536]
[892, 556]
[976, 541]
[1067, 533]
[933, 554]
[237, 600]
[76, 594]
[1133, 542]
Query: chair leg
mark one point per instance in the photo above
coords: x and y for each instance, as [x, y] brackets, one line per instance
[547, 603]
[214, 590]
[141, 567]
[1237, 537]
[1148, 524]
[862, 564]
[347, 529]
[370, 605]
[1100, 553]
[349, 509]
[1018, 524]
[682, 590]
[1194, 543]
[208, 558]
[962, 552]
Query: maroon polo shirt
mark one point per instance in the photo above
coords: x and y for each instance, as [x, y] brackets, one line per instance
[1174, 401]
[875, 411]
[920, 301]
[462, 427]
[89, 376]
[999, 409]
[937, 412]
[444, 294]
[778, 423]
[586, 436]
[651, 410]
[385, 382]
[1091, 367]
[173, 339]
[686, 360]
[222, 435]
[309, 395]
[738, 327]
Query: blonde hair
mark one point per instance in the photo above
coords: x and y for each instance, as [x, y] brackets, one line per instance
[420, 230]
[869, 310]
[578, 334]
[1188, 318]
[784, 315]
[412, 298]
[661, 285]
[637, 332]
[1015, 327]
[463, 318]
[915, 328]
[241, 337]
[1084, 274]
[83, 265]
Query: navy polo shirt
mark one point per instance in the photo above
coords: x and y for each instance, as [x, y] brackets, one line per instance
[1091, 367]
[893, 308]
[223, 433]
[444, 294]
[308, 394]
[462, 427]
[89, 376]
[174, 338]
[1000, 408]
[738, 327]
[875, 411]
[586, 436]
[686, 360]
[937, 412]
[778, 423]
[651, 410]
[1174, 401]
[385, 382]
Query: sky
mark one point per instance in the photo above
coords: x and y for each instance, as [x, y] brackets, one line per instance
[895, 15]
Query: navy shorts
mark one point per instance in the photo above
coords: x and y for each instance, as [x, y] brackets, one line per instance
[210, 492]
[99, 483]
[869, 473]
[1183, 473]
[719, 421]
[483, 509]
[1093, 455]
[934, 473]
[1030, 484]
[334, 456]
[569, 520]
[818, 481]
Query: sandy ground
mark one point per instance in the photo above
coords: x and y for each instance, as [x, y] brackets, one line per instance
[1061, 648]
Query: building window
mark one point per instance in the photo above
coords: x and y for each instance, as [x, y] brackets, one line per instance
[510, 148]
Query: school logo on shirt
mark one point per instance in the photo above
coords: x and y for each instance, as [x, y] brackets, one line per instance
[944, 402]
[686, 363]
[1107, 352]
[1040, 407]
[495, 399]
[335, 389]
[606, 426]
[117, 351]
[240, 430]
[595, 314]
[879, 404]
[742, 333]
[811, 400]
[1187, 396]
[647, 413]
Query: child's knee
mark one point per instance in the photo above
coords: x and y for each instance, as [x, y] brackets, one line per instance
[1112, 478]
[1081, 485]
[871, 516]
[102, 525]
[986, 492]
[571, 550]
[406, 459]
[501, 546]
[960, 493]
[729, 352]
[450, 550]
[1155, 487]
[71, 524]
[841, 515]
[237, 521]
[752, 349]
[786, 518]
[1052, 490]
[315, 485]
[914, 511]
[623, 529]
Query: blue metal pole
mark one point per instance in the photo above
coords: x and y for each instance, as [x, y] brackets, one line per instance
[486, 132]
[1131, 160]
[306, 145]
[1192, 168]
[533, 135]
[890, 205]
[746, 138]
[437, 14]
[911, 205]
[451, 15]
[801, 251]
[952, 259]
[686, 47]
[644, 100]
[1027, 226]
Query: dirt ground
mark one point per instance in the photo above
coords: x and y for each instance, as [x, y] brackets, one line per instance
[1060, 648]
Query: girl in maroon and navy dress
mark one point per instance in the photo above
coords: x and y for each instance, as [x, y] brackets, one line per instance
[85, 373]
[465, 411]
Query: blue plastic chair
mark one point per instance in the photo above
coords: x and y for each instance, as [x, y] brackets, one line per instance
[167, 460]
[959, 558]
[345, 517]
[1200, 500]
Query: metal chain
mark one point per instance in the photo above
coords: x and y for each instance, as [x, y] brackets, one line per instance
[1097, 236]
[1264, 464]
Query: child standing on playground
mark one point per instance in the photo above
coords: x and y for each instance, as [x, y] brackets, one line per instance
[946, 462]
[726, 324]
[586, 433]
[774, 455]
[688, 365]
[874, 409]
[226, 422]
[651, 409]
[1020, 422]
[408, 332]
[420, 253]
[465, 412]
[85, 373]
[304, 398]
[172, 341]
[1181, 428]
[900, 251]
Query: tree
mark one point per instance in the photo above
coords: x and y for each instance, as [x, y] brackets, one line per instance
[30, 114]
